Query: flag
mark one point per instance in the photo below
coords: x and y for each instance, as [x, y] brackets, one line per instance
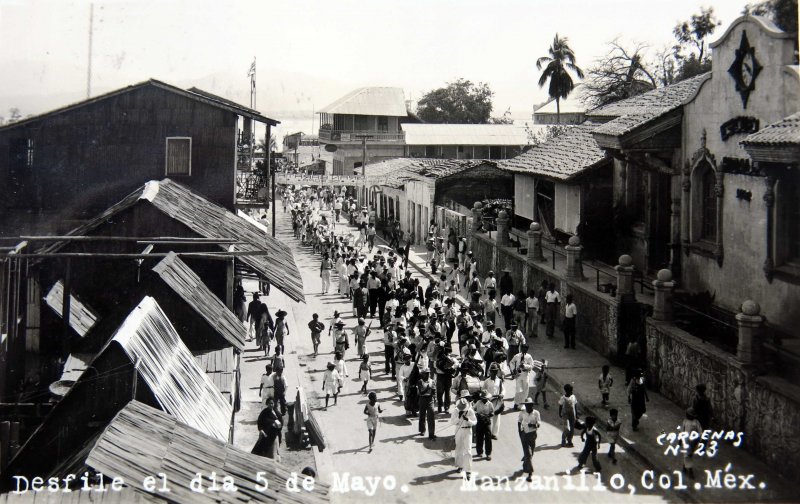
[252, 70]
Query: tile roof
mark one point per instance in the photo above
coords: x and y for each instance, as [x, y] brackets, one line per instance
[209, 220]
[784, 132]
[179, 385]
[186, 284]
[141, 441]
[192, 93]
[396, 171]
[81, 317]
[637, 111]
[386, 101]
[560, 158]
[464, 134]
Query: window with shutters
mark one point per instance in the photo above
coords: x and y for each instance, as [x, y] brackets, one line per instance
[179, 156]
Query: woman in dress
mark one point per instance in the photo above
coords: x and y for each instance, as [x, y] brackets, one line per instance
[281, 328]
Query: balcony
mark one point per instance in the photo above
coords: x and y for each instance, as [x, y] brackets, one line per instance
[354, 136]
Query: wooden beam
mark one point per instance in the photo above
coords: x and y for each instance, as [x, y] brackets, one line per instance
[222, 255]
[140, 239]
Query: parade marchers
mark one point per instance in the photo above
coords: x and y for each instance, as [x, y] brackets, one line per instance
[422, 326]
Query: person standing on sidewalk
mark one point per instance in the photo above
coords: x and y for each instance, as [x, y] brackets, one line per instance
[612, 431]
[484, 412]
[389, 338]
[570, 317]
[604, 383]
[541, 387]
[531, 310]
[568, 411]
[637, 398]
[528, 423]
[690, 425]
[426, 388]
[507, 308]
[464, 419]
[490, 284]
[702, 406]
[553, 300]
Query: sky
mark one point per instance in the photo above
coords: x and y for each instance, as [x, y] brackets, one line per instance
[309, 53]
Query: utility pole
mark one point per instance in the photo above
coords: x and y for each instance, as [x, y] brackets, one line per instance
[89, 69]
[268, 159]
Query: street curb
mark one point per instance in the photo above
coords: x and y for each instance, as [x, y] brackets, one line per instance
[623, 442]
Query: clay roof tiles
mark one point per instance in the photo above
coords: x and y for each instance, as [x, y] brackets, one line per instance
[784, 132]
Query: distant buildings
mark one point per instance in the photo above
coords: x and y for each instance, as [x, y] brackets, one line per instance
[572, 110]
[464, 141]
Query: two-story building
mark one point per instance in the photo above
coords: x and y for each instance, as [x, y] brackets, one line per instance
[464, 141]
[63, 166]
[363, 126]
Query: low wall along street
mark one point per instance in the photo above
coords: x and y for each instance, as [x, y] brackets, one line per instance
[598, 313]
[765, 408]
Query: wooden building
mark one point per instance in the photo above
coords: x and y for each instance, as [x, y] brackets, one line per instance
[145, 360]
[565, 185]
[70, 163]
[166, 445]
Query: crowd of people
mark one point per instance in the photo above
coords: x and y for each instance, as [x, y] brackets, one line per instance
[444, 345]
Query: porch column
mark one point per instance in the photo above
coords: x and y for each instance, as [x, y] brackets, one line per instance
[535, 243]
[625, 270]
[751, 325]
[574, 266]
[663, 287]
[477, 216]
[502, 229]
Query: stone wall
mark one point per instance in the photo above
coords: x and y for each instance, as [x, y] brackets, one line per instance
[765, 408]
[598, 314]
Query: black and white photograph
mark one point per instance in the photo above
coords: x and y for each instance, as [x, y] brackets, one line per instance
[540, 250]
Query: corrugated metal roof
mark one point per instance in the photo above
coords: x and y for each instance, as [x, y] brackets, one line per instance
[464, 134]
[181, 279]
[81, 317]
[637, 111]
[179, 385]
[385, 101]
[784, 132]
[209, 220]
[562, 157]
[142, 441]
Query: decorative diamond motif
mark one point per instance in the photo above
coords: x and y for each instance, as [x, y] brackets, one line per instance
[745, 69]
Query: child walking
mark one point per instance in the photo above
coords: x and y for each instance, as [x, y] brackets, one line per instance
[364, 372]
[612, 431]
[541, 386]
[568, 411]
[331, 384]
[591, 438]
[372, 409]
[341, 368]
[604, 383]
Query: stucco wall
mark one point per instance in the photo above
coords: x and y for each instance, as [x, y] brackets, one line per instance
[744, 234]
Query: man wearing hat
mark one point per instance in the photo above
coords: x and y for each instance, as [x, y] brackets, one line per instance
[463, 325]
[484, 412]
[528, 423]
[463, 418]
[340, 342]
[494, 388]
[426, 388]
[445, 367]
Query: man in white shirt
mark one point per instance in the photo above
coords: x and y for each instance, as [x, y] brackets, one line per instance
[552, 299]
[570, 314]
[527, 424]
[507, 308]
[531, 312]
[493, 386]
[490, 284]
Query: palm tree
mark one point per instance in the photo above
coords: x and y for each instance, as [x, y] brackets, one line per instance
[559, 62]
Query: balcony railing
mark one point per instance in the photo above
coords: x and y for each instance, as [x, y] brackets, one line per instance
[329, 135]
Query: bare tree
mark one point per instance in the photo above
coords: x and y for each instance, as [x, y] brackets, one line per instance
[621, 73]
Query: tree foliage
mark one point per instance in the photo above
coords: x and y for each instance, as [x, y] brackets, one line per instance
[690, 53]
[621, 73]
[459, 102]
[781, 12]
[558, 65]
